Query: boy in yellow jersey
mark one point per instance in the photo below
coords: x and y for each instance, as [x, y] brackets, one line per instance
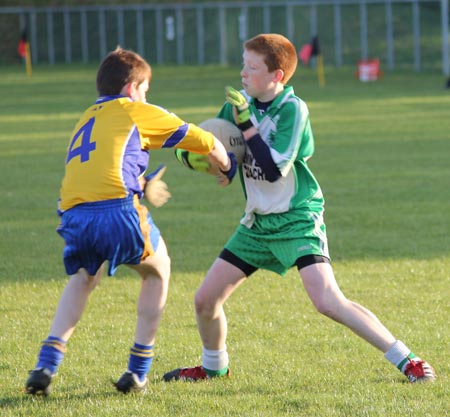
[283, 225]
[102, 220]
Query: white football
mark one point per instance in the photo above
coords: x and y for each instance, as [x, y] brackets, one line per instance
[229, 134]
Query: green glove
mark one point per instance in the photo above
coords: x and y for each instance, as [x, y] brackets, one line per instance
[237, 99]
[195, 161]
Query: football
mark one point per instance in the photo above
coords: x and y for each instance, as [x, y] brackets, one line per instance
[229, 134]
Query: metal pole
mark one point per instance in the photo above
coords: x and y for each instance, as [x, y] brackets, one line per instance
[67, 38]
[266, 18]
[338, 34]
[445, 39]
[102, 33]
[313, 20]
[363, 22]
[223, 35]
[33, 40]
[200, 36]
[179, 35]
[159, 36]
[120, 28]
[140, 31]
[389, 35]
[84, 36]
[416, 30]
[50, 39]
[290, 22]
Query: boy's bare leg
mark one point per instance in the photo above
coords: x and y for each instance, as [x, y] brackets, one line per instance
[220, 282]
[155, 273]
[73, 302]
[325, 294]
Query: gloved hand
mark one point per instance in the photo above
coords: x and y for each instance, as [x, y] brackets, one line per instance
[229, 175]
[155, 190]
[195, 161]
[240, 103]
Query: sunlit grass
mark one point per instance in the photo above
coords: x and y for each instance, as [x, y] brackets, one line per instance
[382, 160]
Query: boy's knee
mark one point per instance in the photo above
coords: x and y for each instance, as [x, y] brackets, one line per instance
[164, 268]
[331, 307]
[89, 282]
[325, 309]
[203, 306]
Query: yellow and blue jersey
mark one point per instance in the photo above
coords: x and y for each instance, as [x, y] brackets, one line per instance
[110, 144]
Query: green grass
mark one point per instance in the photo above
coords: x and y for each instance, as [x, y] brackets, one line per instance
[382, 152]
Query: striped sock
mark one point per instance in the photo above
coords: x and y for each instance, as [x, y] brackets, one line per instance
[220, 372]
[399, 355]
[215, 362]
[402, 365]
[141, 358]
[51, 353]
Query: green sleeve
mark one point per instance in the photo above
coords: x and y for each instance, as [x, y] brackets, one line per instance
[226, 112]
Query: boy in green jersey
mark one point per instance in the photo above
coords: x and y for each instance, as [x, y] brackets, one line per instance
[283, 222]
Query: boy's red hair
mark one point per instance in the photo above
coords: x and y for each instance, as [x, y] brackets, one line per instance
[278, 53]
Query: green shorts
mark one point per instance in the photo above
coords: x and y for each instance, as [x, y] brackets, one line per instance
[276, 241]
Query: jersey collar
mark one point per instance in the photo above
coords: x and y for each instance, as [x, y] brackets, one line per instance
[103, 99]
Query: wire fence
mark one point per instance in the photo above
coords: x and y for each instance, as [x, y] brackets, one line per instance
[404, 34]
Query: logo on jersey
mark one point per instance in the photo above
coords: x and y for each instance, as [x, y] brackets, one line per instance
[251, 169]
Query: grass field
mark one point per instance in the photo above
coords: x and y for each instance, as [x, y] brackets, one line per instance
[382, 158]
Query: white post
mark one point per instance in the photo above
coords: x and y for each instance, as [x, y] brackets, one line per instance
[50, 38]
[416, 32]
[159, 36]
[200, 36]
[223, 35]
[67, 38]
[389, 35]
[102, 32]
[338, 34]
[120, 28]
[84, 36]
[140, 32]
[179, 25]
[445, 39]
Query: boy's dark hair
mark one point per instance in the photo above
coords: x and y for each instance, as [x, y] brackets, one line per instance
[119, 68]
[278, 52]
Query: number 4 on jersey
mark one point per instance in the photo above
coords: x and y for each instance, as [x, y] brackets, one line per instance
[86, 146]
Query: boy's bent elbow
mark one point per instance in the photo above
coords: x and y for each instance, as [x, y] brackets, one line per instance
[273, 175]
[273, 178]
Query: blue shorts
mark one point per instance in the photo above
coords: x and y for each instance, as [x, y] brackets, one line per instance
[119, 231]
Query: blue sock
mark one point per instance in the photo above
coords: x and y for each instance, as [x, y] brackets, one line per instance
[51, 353]
[141, 358]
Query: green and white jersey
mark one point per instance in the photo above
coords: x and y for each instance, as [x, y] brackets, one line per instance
[285, 128]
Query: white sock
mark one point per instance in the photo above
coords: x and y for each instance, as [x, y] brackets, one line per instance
[398, 355]
[215, 360]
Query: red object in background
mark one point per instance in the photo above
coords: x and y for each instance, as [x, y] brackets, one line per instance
[22, 47]
[369, 70]
[309, 50]
[305, 53]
